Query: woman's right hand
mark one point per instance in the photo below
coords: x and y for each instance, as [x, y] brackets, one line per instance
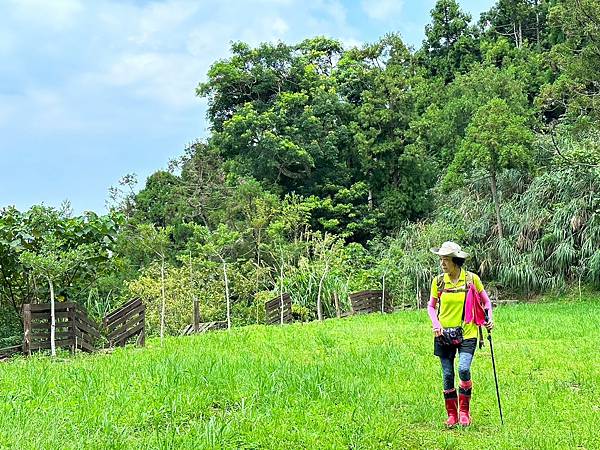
[438, 332]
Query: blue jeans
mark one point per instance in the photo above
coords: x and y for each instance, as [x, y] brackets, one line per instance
[464, 369]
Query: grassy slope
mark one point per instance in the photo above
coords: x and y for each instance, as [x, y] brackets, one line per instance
[361, 382]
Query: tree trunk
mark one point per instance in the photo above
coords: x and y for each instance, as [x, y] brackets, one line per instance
[52, 319]
[537, 24]
[196, 315]
[520, 35]
[336, 299]
[319, 303]
[417, 294]
[281, 293]
[496, 203]
[162, 291]
[227, 294]
[383, 294]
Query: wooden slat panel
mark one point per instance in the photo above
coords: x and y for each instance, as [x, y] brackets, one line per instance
[128, 333]
[133, 322]
[46, 336]
[46, 329]
[7, 352]
[364, 301]
[118, 322]
[46, 344]
[84, 327]
[46, 316]
[277, 319]
[272, 310]
[276, 312]
[83, 342]
[45, 307]
[47, 325]
[277, 300]
[277, 304]
[132, 304]
[83, 317]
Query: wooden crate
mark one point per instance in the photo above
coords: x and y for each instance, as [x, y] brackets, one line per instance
[73, 328]
[273, 310]
[370, 301]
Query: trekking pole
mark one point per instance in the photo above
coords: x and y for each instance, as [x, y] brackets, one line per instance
[494, 366]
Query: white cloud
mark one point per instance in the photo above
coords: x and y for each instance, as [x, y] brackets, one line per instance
[169, 78]
[114, 58]
[383, 10]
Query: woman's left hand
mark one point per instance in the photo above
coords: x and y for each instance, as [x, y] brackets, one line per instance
[489, 325]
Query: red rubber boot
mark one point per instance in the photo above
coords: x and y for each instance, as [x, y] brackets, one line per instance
[464, 397]
[451, 400]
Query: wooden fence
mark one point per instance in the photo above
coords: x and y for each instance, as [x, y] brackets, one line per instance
[7, 352]
[204, 326]
[273, 310]
[125, 323]
[73, 327]
[370, 301]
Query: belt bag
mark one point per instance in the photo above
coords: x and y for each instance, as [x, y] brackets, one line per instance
[452, 336]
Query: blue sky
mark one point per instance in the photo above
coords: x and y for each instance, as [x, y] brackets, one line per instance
[91, 90]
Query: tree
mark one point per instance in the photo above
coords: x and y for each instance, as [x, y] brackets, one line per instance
[519, 20]
[219, 244]
[156, 242]
[451, 43]
[439, 131]
[50, 262]
[29, 231]
[574, 96]
[496, 139]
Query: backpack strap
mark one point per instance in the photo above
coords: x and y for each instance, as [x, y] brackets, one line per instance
[441, 286]
[469, 277]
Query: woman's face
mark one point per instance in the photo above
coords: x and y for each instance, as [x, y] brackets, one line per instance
[447, 264]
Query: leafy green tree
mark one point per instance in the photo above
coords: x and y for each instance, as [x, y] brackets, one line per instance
[451, 43]
[574, 95]
[156, 242]
[520, 21]
[51, 262]
[496, 139]
[20, 232]
[221, 244]
[438, 132]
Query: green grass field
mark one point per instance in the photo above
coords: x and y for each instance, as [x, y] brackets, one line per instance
[365, 382]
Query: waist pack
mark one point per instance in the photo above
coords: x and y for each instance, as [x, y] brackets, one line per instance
[451, 336]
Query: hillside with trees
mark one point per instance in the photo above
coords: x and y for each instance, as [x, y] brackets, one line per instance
[330, 169]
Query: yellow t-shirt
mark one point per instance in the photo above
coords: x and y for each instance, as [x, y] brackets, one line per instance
[451, 304]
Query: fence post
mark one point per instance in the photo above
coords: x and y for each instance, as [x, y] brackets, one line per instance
[196, 314]
[72, 327]
[27, 329]
[142, 336]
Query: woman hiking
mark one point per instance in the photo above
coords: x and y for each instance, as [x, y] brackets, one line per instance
[456, 308]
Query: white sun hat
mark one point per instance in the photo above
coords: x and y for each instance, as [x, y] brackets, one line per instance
[449, 248]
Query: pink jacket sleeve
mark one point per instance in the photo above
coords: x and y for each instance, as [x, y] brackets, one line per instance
[431, 310]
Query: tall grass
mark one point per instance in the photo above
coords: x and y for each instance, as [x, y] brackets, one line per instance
[364, 382]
